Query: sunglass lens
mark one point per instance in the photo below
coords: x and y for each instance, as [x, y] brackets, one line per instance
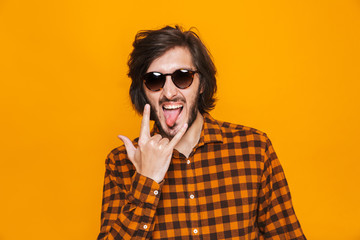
[183, 78]
[154, 80]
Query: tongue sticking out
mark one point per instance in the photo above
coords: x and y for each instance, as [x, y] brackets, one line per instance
[171, 116]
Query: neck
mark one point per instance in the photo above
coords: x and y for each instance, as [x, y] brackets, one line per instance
[191, 137]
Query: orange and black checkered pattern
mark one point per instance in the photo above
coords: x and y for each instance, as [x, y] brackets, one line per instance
[232, 186]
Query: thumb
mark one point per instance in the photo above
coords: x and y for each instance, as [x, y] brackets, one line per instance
[130, 149]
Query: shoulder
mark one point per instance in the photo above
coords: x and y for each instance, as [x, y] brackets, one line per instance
[242, 133]
[118, 168]
[118, 159]
[249, 138]
[240, 129]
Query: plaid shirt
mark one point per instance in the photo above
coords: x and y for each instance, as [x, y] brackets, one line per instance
[232, 186]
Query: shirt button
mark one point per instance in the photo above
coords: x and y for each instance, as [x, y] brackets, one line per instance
[188, 161]
[156, 192]
[145, 226]
[195, 231]
[192, 197]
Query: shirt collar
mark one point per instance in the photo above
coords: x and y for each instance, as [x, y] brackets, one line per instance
[211, 131]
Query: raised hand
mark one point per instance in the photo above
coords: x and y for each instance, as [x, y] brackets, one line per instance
[153, 155]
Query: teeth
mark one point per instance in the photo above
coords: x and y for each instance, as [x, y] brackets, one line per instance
[172, 106]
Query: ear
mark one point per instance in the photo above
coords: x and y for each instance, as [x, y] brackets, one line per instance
[202, 87]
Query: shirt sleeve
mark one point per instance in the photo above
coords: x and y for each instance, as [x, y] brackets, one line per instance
[129, 203]
[276, 216]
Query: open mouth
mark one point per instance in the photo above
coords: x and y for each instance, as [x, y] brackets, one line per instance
[171, 113]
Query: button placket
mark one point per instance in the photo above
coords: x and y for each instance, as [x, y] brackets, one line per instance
[191, 193]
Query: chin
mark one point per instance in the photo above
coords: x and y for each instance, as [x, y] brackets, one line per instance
[170, 132]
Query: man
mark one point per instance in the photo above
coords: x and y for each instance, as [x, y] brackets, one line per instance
[191, 177]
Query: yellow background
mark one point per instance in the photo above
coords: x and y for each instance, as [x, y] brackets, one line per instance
[288, 68]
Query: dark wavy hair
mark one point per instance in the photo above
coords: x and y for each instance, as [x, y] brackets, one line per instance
[152, 44]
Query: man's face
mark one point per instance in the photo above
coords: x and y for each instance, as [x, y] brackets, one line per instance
[172, 107]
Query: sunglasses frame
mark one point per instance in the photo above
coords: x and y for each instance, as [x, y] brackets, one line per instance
[164, 75]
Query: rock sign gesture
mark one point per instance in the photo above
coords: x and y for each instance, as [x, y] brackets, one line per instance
[153, 155]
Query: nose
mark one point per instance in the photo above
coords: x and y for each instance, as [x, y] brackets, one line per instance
[169, 89]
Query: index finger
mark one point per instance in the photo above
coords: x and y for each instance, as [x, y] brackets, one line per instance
[145, 123]
[178, 136]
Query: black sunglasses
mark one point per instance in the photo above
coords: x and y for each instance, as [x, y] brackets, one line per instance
[182, 78]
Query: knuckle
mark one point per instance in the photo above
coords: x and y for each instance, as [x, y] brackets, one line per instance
[157, 136]
[152, 142]
[141, 143]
